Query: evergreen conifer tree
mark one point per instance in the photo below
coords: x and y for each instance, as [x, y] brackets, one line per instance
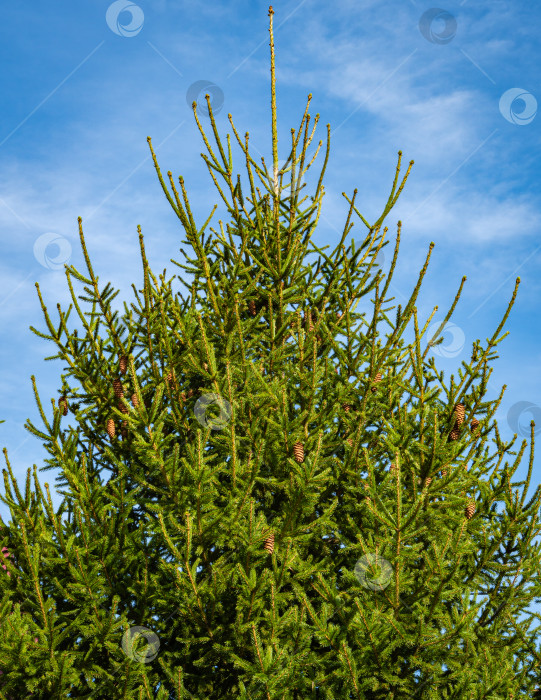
[250, 508]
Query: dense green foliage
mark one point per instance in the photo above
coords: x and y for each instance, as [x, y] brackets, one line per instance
[280, 514]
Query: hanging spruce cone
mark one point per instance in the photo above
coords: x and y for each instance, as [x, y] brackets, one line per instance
[63, 405]
[122, 408]
[350, 442]
[470, 510]
[111, 428]
[269, 543]
[134, 400]
[117, 386]
[251, 307]
[473, 425]
[123, 364]
[169, 376]
[460, 412]
[346, 407]
[124, 431]
[377, 379]
[453, 435]
[298, 452]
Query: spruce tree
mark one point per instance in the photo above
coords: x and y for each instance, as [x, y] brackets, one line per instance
[252, 508]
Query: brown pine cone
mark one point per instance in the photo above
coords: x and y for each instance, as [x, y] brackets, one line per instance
[470, 510]
[111, 428]
[63, 405]
[460, 412]
[377, 379]
[117, 386]
[453, 435]
[123, 364]
[269, 543]
[298, 452]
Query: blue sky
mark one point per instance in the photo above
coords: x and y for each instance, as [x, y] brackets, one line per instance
[455, 88]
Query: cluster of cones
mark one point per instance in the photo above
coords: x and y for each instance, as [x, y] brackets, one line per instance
[298, 448]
